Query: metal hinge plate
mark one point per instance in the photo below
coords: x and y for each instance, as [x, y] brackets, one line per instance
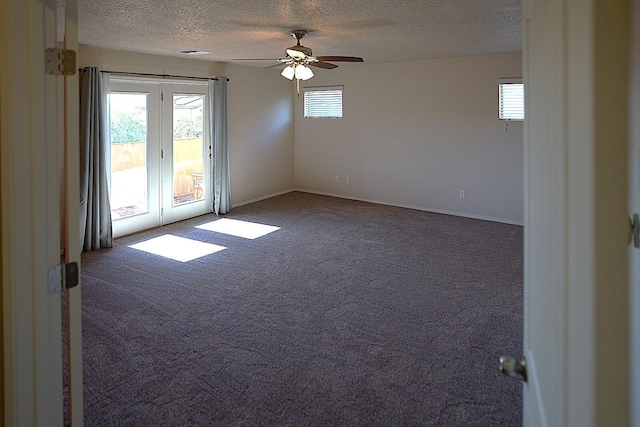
[63, 276]
[60, 62]
[634, 234]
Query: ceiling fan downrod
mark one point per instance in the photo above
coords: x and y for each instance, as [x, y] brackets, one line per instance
[298, 34]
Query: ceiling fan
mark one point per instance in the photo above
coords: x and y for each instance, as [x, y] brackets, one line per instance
[298, 58]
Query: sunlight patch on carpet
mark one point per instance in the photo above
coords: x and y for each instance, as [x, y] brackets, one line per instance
[235, 227]
[177, 248]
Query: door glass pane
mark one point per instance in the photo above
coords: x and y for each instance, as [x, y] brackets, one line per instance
[128, 132]
[188, 148]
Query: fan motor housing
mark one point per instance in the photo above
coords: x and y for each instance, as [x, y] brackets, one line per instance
[302, 49]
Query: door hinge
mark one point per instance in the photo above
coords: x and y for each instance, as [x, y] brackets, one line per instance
[634, 234]
[60, 62]
[63, 276]
[511, 368]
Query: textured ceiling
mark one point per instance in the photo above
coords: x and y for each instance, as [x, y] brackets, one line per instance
[377, 30]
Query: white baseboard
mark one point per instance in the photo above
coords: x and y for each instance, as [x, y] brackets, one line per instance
[268, 196]
[420, 208]
[379, 202]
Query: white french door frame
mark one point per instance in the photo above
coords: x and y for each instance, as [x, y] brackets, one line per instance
[160, 164]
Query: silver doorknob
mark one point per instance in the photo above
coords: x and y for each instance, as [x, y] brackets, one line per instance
[511, 368]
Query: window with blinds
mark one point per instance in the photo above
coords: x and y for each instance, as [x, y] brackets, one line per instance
[323, 102]
[511, 104]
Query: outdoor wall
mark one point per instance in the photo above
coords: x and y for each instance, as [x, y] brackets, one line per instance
[260, 117]
[414, 134]
[187, 157]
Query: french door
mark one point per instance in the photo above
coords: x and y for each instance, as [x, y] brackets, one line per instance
[160, 154]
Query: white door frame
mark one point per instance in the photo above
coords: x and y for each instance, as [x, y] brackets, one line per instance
[634, 207]
[30, 196]
[598, 141]
[71, 227]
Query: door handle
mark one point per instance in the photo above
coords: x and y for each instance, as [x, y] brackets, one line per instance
[511, 368]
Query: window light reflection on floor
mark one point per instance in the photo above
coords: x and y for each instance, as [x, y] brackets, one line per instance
[235, 227]
[177, 248]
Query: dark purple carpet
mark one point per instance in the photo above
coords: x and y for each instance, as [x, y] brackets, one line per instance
[351, 314]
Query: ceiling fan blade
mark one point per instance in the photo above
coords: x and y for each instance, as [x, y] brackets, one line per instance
[321, 64]
[255, 59]
[340, 58]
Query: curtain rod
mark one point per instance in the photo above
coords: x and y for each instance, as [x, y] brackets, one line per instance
[171, 76]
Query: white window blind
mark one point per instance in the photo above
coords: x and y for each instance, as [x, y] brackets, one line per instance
[325, 102]
[511, 105]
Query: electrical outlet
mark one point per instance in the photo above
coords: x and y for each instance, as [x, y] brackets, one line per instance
[337, 178]
[462, 194]
[347, 180]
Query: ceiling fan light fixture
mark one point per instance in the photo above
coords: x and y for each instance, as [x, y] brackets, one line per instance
[303, 72]
[288, 72]
[295, 53]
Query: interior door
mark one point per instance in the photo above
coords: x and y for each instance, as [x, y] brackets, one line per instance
[545, 214]
[576, 284]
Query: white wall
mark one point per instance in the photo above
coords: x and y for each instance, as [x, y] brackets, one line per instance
[414, 134]
[260, 116]
[260, 132]
[115, 60]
